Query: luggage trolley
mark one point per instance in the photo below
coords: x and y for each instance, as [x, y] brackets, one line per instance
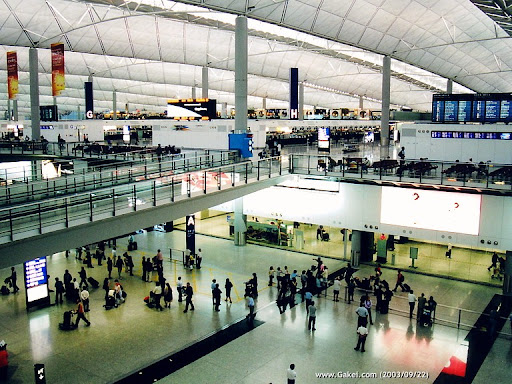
[426, 317]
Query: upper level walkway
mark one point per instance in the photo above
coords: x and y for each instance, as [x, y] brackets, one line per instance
[29, 185]
[487, 178]
[54, 224]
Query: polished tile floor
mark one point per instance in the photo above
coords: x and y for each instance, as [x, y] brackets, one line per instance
[122, 340]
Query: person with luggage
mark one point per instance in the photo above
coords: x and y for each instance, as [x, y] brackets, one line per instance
[189, 292]
[128, 262]
[422, 302]
[80, 314]
[67, 284]
[432, 304]
[83, 278]
[14, 279]
[228, 287]
[59, 290]
[399, 281]
[494, 261]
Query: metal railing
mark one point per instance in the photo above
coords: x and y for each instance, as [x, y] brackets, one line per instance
[443, 314]
[111, 175]
[32, 219]
[488, 175]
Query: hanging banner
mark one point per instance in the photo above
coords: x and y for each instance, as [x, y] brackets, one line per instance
[58, 80]
[12, 74]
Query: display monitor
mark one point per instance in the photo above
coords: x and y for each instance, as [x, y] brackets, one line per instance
[433, 210]
[450, 110]
[464, 113]
[192, 109]
[36, 282]
[324, 137]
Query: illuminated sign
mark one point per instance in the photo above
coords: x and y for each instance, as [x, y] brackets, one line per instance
[36, 281]
[434, 210]
[192, 109]
[324, 136]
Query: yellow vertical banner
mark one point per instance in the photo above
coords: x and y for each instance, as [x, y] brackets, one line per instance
[12, 74]
[58, 80]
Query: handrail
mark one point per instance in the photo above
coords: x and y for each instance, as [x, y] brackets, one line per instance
[487, 176]
[457, 311]
[114, 176]
[32, 219]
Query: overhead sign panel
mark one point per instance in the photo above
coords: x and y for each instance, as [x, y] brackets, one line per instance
[434, 210]
[192, 109]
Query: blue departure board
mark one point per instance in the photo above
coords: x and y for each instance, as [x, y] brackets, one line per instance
[464, 111]
[450, 110]
[438, 111]
[506, 110]
[492, 110]
[36, 280]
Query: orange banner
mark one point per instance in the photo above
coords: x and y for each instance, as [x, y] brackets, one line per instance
[58, 80]
[12, 74]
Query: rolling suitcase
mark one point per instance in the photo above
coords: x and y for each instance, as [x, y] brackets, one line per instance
[94, 283]
[407, 287]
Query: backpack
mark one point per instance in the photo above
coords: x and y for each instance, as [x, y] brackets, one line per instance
[401, 278]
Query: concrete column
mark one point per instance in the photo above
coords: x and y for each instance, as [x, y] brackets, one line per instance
[78, 112]
[241, 74]
[204, 82]
[384, 122]
[114, 105]
[264, 103]
[361, 103]
[301, 101]
[15, 116]
[449, 86]
[33, 65]
[507, 281]
[55, 100]
[8, 109]
[224, 110]
[240, 223]
[194, 92]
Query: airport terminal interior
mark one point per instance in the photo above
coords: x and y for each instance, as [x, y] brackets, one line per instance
[149, 129]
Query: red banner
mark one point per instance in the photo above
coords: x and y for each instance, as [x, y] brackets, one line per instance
[12, 74]
[58, 80]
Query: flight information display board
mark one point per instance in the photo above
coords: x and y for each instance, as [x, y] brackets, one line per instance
[36, 282]
[192, 109]
[471, 135]
[480, 107]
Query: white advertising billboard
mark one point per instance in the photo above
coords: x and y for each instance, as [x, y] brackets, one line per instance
[434, 210]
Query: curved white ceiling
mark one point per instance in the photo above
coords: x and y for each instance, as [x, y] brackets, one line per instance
[151, 50]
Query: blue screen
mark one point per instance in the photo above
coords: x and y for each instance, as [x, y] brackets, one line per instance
[464, 111]
[492, 108]
[450, 110]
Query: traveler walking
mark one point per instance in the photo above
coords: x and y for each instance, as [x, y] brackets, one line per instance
[412, 302]
[189, 292]
[179, 288]
[119, 266]
[228, 287]
[312, 316]
[80, 312]
[362, 333]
